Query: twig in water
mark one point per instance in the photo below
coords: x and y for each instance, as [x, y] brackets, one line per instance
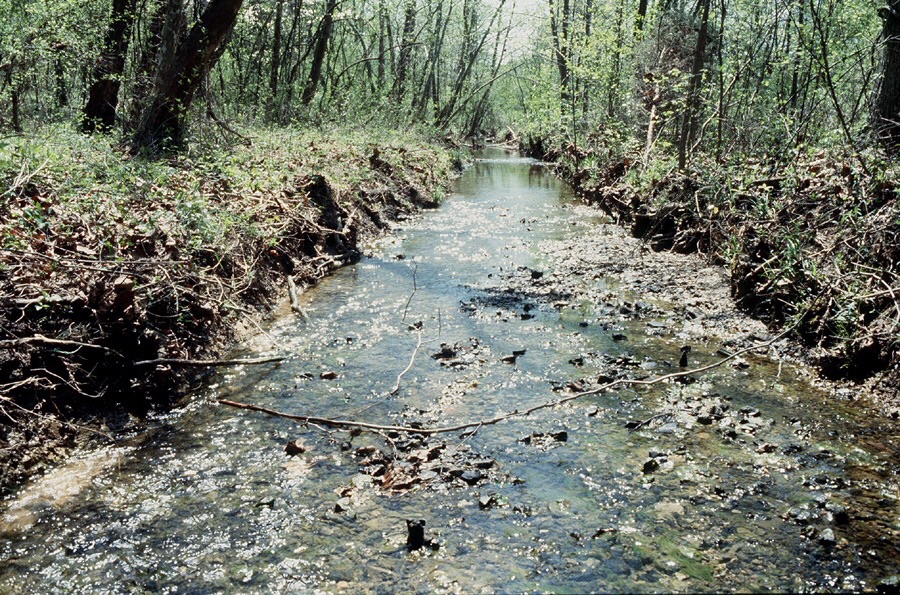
[409, 366]
[409, 301]
[643, 423]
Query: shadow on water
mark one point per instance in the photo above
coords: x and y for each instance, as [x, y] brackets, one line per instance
[780, 489]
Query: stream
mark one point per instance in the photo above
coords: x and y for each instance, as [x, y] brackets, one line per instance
[742, 478]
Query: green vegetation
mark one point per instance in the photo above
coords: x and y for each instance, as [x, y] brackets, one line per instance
[119, 260]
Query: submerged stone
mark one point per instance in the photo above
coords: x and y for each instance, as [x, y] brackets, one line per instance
[826, 538]
[650, 465]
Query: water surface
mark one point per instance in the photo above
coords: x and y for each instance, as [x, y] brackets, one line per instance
[208, 501]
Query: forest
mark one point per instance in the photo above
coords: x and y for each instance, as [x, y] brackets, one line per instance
[173, 170]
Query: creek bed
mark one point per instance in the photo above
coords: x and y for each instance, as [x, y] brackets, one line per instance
[745, 478]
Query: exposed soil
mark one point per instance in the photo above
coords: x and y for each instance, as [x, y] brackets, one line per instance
[104, 319]
[815, 247]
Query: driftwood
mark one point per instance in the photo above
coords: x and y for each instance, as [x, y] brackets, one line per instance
[409, 366]
[346, 423]
[208, 362]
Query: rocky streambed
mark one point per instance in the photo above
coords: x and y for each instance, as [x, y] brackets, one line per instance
[746, 476]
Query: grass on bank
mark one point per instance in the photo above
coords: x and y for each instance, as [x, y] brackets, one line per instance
[120, 259]
[61, 182]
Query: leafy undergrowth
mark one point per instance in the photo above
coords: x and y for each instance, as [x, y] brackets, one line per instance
[111, 267]
[814, 243]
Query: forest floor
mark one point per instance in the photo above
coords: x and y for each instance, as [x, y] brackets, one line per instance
[123, 279]
[813, 245]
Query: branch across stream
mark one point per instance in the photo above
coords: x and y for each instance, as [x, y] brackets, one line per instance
[543, 429]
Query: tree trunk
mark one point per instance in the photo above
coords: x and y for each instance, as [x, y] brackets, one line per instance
[16, 118]
[409, 30]
[382, 17]
[276, 52]
[641, 17]
[688, 122]
[887, 103]
[103, 97]
[147, 62]
[559, 30]
[588, 21]
[62, 93]
[323, 36]
[163, 122]
[616, 74]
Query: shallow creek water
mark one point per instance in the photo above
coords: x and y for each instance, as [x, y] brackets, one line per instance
[781, 488]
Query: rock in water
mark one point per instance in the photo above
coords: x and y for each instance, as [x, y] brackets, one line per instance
[889, 585]
[826, 538]
[683, 362]
[294, 447]
[415, 538]
[650, 465]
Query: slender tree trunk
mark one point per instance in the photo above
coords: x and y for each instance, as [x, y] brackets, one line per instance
[654, 97]
[720, 102]
[323, 36]
[382, 33]
[276, 52]
[148, 62]
[588, 22]
[409, 30]
[59, 73]
[887, 102]
[641, 17]
[103, 97]
[559, 29]
[16, 118]
[467, 63]
[163, 122]
[688, 122]
[617, 63]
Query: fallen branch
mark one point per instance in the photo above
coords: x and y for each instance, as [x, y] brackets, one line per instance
[346, 423]
[43, 341]
[412, 360]
[208, 362]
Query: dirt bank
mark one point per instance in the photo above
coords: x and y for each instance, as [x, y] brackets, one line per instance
[122, 281]
[813, 246]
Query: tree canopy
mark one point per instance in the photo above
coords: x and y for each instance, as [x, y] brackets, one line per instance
[727, 77]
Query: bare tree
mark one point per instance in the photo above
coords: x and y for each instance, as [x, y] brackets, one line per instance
[323, 36]
[689, 118]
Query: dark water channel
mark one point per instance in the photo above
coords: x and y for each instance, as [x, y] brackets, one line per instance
[798, 493]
